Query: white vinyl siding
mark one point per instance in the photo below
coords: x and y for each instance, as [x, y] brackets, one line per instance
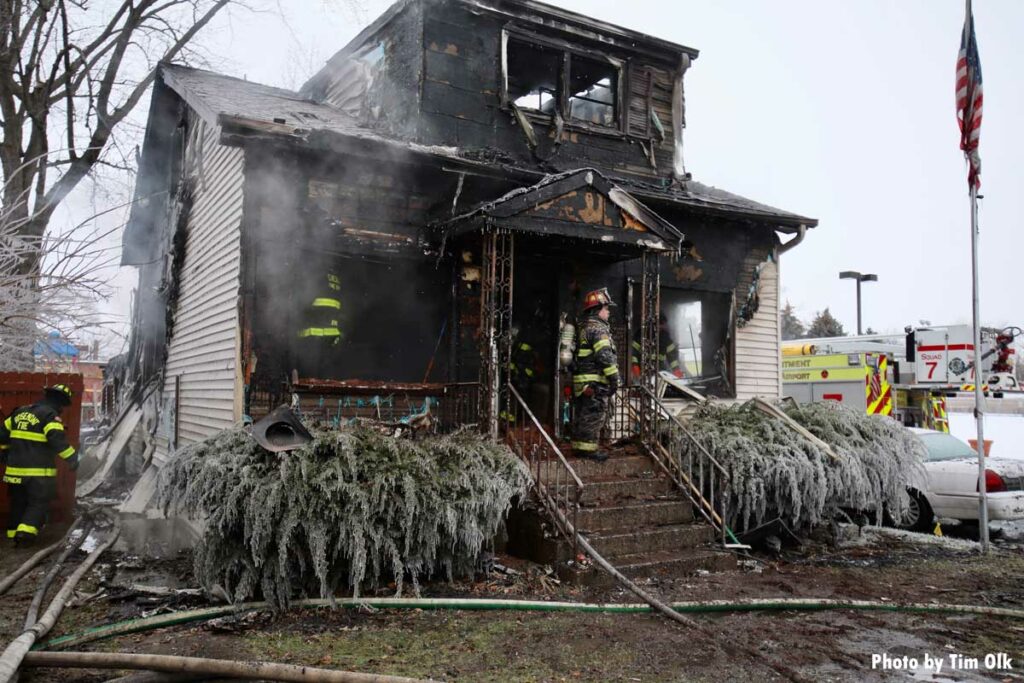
[204, 347]
[758, 366]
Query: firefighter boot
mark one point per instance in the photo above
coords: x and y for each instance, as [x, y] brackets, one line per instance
[24, 540]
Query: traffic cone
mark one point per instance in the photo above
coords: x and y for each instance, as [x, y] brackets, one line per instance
[938, 528]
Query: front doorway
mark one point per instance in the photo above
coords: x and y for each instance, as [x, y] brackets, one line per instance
[532, 286]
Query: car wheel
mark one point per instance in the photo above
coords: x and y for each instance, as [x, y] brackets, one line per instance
[919, 515]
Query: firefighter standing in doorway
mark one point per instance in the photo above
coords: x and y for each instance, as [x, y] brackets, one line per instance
[522, 366]
[524, 360]
[595, 375]
[29, 440]
[668, 352]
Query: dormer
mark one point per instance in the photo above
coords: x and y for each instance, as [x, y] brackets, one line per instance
[515, 81]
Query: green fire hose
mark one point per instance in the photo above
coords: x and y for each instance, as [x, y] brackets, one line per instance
[699, 607]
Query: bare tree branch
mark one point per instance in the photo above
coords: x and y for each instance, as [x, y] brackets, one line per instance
[70, 71]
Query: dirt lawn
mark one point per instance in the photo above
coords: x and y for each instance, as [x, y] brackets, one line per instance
[561, 646]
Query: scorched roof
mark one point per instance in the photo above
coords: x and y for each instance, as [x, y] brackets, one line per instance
[243, 108]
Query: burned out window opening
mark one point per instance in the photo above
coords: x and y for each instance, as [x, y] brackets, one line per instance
[582, 88]
[594, 88]
[534, 76]
[694, 338]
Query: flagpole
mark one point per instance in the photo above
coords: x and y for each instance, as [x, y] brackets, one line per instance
[979, 378]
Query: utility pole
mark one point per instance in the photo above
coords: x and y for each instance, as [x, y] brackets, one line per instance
[859, 277]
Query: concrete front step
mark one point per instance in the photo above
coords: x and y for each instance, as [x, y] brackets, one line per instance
[618, 466]
[619, 491]
[673, 537]
[663, 563]
[635, 515]
[687, 560]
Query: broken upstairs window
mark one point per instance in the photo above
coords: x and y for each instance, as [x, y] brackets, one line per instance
[545, 79]
[534, 76]
[594, 86]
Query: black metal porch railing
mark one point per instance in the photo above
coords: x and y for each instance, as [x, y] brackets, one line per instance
[555, 482]
[639, 414]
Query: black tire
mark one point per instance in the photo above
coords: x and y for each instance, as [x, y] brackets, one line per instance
[920, 516]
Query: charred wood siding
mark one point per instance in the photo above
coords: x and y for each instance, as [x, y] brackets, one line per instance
[757, 363]
[461, 105]
[378, 81]
[371, 207]
[461, 78]
[714, 262]
[433, 72]
[203, 350]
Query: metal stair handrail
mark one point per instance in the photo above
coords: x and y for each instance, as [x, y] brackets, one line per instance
[702, 481]
[556, 483]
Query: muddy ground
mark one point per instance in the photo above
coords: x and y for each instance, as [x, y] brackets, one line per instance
[558, 646]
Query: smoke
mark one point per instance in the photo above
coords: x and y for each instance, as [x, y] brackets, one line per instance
[359, 222]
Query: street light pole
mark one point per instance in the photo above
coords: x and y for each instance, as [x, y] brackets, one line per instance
[859, 277]
[858, 307]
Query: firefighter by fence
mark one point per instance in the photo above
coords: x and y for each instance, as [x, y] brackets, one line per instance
[30, 439]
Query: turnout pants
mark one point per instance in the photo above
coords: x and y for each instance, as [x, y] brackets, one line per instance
[588, 417]
[317, 356]
[29, 504]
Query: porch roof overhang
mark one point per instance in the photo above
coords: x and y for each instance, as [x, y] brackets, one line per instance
[581, 205]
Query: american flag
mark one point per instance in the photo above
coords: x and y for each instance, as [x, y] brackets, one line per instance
[969, 98]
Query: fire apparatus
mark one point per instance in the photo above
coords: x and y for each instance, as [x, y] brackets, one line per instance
[906, 376]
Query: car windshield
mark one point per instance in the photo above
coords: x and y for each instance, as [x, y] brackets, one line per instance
[945, 447]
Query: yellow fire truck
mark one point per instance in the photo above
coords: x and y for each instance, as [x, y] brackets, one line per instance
[862, 380]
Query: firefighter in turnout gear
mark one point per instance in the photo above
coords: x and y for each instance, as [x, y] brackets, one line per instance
[319, 325]
[321, 318]
[523, 368]
[30, 439]
[595, 376]
[668, 352]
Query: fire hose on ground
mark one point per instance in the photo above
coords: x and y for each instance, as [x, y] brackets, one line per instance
[28, 565]
[18, 651]
[478, 604]
[11, 658]
[71, 546]
[216, 668]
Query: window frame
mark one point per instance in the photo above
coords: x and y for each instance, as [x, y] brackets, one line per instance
[568, 50]
[726, 389]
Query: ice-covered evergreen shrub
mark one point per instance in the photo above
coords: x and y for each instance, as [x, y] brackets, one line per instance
[773, 470]
[879, 457]
[354, 507]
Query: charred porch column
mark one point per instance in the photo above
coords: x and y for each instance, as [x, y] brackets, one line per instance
[650, 307]
[495, 326]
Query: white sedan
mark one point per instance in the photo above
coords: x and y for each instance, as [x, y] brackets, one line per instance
[952, 486]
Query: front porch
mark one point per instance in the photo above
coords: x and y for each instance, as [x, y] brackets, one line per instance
[519, 267]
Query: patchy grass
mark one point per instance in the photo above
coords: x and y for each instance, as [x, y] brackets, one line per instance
[476, 646]
[533, 646]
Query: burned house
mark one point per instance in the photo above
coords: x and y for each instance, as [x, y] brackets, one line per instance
[456, 177]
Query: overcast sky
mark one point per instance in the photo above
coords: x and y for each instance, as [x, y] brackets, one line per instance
[843, 111]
